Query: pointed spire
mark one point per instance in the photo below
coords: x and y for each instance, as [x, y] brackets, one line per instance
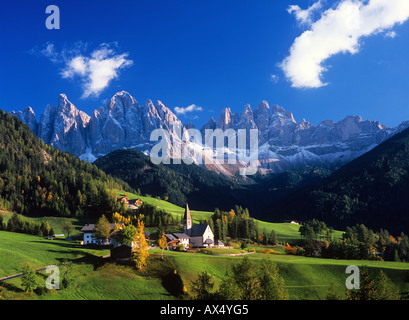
[187, 213]
[187, 221]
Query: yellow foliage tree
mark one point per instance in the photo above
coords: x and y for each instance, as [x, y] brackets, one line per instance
[163, 243]
[141, 252]
[118, 218]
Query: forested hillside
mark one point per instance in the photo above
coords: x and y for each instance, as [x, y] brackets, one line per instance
[373, 190]
[179, 184]
[38, 179]
[203, 189]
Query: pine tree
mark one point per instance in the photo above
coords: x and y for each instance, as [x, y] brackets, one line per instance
[202, 286]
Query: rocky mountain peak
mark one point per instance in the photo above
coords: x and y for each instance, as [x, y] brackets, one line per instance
[283, 143]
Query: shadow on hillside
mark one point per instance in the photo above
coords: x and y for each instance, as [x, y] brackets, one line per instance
[11, 287]
[75, 250]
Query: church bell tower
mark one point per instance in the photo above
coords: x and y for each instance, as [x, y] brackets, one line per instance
[187, 221]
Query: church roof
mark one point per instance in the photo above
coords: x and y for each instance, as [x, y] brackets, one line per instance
[198, 230]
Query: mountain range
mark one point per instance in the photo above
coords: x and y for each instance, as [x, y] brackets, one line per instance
[284, 143]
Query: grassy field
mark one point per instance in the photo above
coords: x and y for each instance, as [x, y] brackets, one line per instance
[56, 222]
[175, 210]
[303, 277]
[93, 278]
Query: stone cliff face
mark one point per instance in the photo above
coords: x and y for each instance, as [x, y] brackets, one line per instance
[283, 143]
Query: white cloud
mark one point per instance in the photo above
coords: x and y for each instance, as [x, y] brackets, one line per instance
[274, 78]
[304, 16]
[47, 51]
[391, 34]
[188, 109]
[95, 70]
[98, 70]
[339, 30]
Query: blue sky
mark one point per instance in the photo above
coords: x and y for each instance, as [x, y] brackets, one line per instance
[319, 59]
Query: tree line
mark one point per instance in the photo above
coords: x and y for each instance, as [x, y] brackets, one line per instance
[358, 242]
[38, 179]
[20, 225]
[237, 224]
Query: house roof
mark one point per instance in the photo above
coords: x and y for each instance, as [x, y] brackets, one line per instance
[198, 230]
[91, 227]
[208, 241]
[170, 236]
[134, 201]
[181, 235]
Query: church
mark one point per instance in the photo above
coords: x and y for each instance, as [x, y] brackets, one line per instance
[196, 236]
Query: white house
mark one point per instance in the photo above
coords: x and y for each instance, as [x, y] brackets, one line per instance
[89, 234]
[175, 239]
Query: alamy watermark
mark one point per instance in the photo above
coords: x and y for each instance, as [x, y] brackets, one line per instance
[53, 20]
[53, 281]
[217, 146]
[353, 281]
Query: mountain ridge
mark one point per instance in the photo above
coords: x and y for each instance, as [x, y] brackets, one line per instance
[284, 143]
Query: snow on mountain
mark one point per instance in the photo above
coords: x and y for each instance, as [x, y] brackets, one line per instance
[283, 143]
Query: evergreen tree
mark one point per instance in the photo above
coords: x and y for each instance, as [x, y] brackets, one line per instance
[29, 279]
[202, 286]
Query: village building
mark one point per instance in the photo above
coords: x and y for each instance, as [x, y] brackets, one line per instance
[194, 236]
[89, 234]
[131, 204]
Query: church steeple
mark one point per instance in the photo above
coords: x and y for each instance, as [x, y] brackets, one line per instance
[187, 221]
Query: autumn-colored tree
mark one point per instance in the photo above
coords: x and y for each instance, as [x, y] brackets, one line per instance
[367, 290]
[290, 250]
[118, 218]
[141, 252]
[163, 243]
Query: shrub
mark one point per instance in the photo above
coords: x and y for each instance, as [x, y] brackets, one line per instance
[290, 250]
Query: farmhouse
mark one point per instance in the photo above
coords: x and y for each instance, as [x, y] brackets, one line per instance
[89, 234]
[131, 204]
[176, 239]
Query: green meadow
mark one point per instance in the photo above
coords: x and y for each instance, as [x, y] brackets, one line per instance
[92, 277]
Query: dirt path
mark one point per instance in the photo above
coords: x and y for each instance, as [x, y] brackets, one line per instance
[19, 274]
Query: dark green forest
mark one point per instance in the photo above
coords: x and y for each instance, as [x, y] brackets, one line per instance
[372, 190]
[39, 180]
[204, 189]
